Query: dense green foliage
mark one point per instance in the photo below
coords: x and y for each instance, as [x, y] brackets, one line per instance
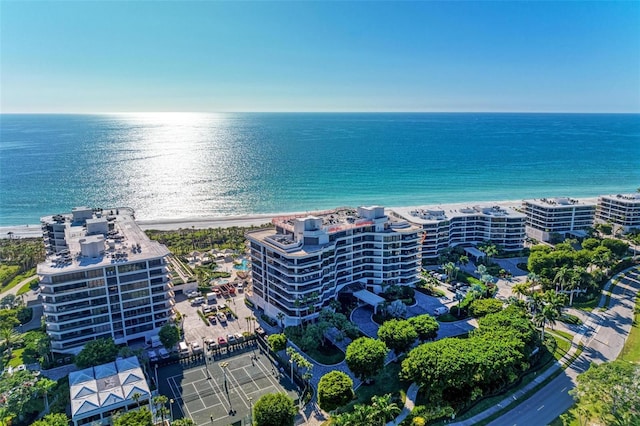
[97, 352]
[22, 395]
[184, 241]
[335, 389]
[274, 409]
[57, 419]
[610, 392]
[313, 336]
[425, 326]
[481, 307]
[183, 422]
[25, 253]
[277, 342]
[169, 335]
[380, 411]
[139, 417]
[398, 335]
[365, 357]
[455, 371]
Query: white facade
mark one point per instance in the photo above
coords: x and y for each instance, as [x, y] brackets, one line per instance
[449, 227]
[621, 210]
[547, 216]
[302, 264]
[102, 278]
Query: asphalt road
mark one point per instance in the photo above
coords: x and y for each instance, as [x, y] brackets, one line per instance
[604, 337]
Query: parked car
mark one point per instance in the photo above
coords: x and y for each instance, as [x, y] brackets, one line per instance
[231, 339]
[207, 309]
[196, 348]
[222, 341]
[222, 318]
[213, 320]
[197, 301]
[441, 310]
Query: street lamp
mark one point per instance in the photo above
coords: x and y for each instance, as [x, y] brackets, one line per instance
[157, 383]
[291, 362]
[250, 410]
[206, 364]
[223, 366]
[171, 408]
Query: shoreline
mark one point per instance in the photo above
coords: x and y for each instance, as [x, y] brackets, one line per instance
[34, 230]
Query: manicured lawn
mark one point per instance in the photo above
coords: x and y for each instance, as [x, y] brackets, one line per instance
[16, 357]
[570, 319]
[17, 279]
[562, 347]
[386, 382]
[587, 306]
[28, 286]
[631, 350]
[564, 334]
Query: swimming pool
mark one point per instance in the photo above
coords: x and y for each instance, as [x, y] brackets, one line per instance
[243, 266]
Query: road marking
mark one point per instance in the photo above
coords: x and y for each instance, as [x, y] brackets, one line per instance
[541, 407]
[563, 389]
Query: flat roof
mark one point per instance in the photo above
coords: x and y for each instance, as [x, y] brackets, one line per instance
[437, 213]
[369, 297]
[562, 202]
[127, 243]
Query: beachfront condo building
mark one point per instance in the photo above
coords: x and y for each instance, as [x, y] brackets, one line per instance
[621, 210]
[102, 277]
[467, 226]
[558, 218]
[302, 264]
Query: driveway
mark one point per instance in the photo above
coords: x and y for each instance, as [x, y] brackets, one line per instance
[362, 317]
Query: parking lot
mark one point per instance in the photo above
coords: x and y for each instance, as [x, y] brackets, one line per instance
[196, 330]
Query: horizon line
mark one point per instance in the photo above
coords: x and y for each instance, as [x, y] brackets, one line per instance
[314, 112]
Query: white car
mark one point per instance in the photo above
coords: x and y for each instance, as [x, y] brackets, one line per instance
[196, 348]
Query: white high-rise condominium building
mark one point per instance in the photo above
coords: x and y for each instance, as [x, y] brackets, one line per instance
[302, 264]
[102, 277]
[449, 226]
[561, 216]
[621, 210]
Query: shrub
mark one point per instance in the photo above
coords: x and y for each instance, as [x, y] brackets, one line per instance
[335, 389]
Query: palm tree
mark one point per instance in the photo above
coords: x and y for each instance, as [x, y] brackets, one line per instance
[562, 277]
[464, 260]
[136, 397]
[9, 336]
[547, 315]
[45, 385]
[521, 289]
[385, 410]
[159, 401]
[280, 317]
[452, 270]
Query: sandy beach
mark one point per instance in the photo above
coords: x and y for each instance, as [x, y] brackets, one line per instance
[34, 231]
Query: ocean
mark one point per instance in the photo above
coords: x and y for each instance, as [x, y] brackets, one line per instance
[169, 166]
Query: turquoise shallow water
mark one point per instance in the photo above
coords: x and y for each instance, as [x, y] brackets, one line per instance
[195, 165]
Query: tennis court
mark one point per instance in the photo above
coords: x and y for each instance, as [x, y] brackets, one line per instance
[220, 392]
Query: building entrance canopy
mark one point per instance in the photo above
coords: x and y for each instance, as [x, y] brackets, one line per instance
[369, 298]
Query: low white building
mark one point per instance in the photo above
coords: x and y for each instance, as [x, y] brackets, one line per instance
[621, 210]
[98, 392]
[454, 225]
[562, 216]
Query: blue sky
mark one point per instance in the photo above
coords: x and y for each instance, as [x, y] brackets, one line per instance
[108, 56]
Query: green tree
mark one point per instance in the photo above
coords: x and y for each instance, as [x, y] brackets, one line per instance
[277, 342]
[609, 392]
[44, 386]
[97, 352]
[54, 419]
[274, 409]
[335, 389]
[385, 409]
[425, 326]
[398, 335]
[481, 307]
[141, 417]
[159, 401]
[365, 357]
[169, 336]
